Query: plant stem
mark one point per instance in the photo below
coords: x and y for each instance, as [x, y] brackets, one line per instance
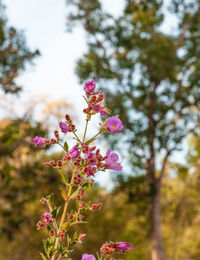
[61, 145]
[85, 130]
[64, 211]
[93, 137]
[77, 137]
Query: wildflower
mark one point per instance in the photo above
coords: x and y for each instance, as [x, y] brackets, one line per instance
[90, 171]
[88, 257]
[64, 127]
[124, 246]
[47, 218]
[112, 161]
[74, 152]
[116, 247]
[89, 86]
[113, 124]
[95, 107]
[103, 111]
[39, 141]
[90, 158]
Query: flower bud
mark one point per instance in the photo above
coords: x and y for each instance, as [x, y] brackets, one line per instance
[67, 117]
[81, 236]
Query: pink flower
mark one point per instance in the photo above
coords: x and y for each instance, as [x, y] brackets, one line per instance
[116, 247]
[88, 257]
[103, 111]
[39, 141]
[114, 124]
[90, 157]
[90, 171]
[64, 127]
[112, 161]
[89, 86]
[74, 152]
[95, 107]
[47, 217]
[124, 246]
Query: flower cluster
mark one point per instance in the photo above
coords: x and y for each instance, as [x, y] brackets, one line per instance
[86, 160]
[95, 100]
[44, 222]
[110, 248]
[115, 247]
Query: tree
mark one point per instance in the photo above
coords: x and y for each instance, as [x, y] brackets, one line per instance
[152, 76]
[14, 54]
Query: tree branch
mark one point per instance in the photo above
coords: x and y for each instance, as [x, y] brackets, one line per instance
[162, 171]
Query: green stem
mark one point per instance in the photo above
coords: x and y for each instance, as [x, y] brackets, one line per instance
[93, 137]
[77, 137]
[61, 146]
[86, 125]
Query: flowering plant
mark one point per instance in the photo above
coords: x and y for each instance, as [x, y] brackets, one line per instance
[86, 160]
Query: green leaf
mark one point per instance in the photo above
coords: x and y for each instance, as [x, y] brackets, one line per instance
[52, 251]
[48, 228]
[85, 99]
[55, 212]
[50, 198]
[65, 225]
[85, 185]
[43, 256]
[91, 140]
[63, 177]
[66, 146]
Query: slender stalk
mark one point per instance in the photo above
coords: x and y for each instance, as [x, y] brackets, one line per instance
[64, 211]
[61, 145]
[93, 137]
[77, 137]
[85, 130]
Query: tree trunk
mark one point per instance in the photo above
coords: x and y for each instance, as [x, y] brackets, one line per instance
[157, 248]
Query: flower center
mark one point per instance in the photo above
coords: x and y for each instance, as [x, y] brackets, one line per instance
[114, 126]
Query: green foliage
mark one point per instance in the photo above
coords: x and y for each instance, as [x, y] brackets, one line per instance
[14, 55]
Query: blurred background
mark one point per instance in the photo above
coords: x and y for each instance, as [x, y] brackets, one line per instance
[146, 58]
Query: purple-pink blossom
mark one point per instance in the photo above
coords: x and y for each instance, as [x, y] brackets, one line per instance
[114, 124]
[112, 161]
[47, 217]
[90, 171]
[74, 152]
[89, 86]
[88, 257]
[90, 158]
[64, 127]
[124, 246]
[39, 141]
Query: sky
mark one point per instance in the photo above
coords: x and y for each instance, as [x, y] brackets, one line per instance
[44, 24]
